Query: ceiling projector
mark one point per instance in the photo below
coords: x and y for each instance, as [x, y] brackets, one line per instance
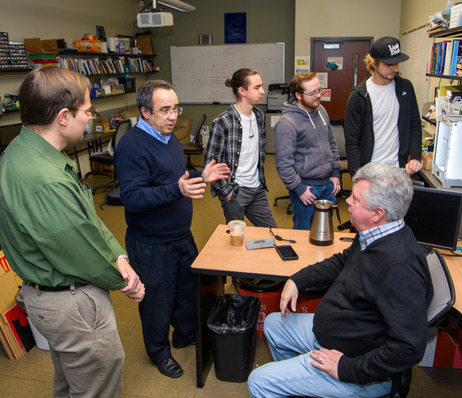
[154, 19]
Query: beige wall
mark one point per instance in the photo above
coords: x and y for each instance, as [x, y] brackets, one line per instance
[340, 18]
[68, 20]
[65, 19]
[267, 21]
[415, 13]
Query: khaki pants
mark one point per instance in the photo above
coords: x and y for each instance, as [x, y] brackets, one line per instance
[84, 343]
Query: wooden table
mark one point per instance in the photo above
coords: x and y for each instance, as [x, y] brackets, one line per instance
[219, 258]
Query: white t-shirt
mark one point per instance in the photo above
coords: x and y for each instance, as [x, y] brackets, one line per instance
[247, 170]
[385, 111]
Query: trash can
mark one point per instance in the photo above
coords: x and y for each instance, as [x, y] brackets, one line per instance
[269, 293]
[232, 328]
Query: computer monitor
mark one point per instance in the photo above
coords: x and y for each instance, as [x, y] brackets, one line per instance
[434, 217]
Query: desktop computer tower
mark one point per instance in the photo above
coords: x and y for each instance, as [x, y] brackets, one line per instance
[271, 118]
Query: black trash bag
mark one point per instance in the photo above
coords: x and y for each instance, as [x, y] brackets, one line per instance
[234, 313]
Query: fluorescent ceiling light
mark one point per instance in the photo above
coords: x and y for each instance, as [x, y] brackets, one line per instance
[176, 4]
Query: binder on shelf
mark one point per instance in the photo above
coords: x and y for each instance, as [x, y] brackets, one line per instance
[438, 57]
[434, 58]
[458, 58]
[447, 58]
[443, 48]
[455, 50]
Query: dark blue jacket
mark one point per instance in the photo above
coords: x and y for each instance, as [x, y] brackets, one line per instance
[359, 130]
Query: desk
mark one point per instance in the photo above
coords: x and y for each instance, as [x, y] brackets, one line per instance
[433, 182]
[219, 258]
[94, 143]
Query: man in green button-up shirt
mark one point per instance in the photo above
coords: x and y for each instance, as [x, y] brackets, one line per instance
[54, 240]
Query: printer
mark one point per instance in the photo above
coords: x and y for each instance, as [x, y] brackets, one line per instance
[278, 93]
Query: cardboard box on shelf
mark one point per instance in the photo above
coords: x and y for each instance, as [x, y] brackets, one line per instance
[93, 46]
[145, 44]
[37, 46]
[101, 125]
[427, 160]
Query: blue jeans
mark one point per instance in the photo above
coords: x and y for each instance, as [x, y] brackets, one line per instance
[303, 215]
[290, 340]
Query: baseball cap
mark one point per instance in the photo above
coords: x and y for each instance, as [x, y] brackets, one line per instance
[388, 49]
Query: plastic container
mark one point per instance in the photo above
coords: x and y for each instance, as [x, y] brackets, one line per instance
[269, 293]
[309, 299]
[232, 332]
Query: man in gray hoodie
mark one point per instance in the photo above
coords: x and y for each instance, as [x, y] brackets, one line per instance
[307, 158]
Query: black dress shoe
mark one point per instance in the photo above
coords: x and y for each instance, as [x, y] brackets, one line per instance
[170, 368]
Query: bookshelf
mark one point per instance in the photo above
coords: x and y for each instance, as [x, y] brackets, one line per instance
[447, 35]
[96, 64]
[93, 65]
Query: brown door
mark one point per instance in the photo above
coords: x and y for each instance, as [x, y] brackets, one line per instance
[347, 54]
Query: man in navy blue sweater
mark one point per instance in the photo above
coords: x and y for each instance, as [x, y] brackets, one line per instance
[157, 194]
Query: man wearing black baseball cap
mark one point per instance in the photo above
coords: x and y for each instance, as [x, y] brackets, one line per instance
[382, 120]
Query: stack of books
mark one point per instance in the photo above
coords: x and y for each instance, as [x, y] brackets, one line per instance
[446, 58]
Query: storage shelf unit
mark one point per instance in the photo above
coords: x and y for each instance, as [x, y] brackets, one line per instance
[451, 34]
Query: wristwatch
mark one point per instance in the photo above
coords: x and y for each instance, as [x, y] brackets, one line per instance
[122, 256]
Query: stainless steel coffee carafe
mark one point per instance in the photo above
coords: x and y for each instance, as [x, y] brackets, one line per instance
[322, 230]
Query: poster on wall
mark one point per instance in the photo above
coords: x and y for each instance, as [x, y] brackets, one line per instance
[323, 79]
[338, 61]
[235, 27]
[326, 95]
[302, 63]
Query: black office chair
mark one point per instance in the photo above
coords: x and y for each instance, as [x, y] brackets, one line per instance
[102, 159]
[289, 206]
[442, 301]
[197, 148]
[339, 136]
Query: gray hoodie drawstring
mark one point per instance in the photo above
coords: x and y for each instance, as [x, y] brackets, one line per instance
[311, 120]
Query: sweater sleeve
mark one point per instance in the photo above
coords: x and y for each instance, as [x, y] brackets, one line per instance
[416, 127]
[353, 116]
[323, 273]
[335, 155]
[285, 150]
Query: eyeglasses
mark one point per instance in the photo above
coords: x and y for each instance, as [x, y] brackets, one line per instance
[90, 112]
[166, 111]
[313, 93]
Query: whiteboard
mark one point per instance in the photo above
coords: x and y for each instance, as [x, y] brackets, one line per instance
[199, 72]
[417, 45]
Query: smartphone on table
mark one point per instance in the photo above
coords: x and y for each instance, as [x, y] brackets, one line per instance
[286, 252]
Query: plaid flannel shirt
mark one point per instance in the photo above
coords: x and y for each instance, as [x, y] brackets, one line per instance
[224, 146]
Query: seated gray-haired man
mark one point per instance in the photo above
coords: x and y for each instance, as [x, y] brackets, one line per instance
[372, 321]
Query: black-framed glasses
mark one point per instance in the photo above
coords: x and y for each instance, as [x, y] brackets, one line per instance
[90, 112]
[166, 111]
[313, 93]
